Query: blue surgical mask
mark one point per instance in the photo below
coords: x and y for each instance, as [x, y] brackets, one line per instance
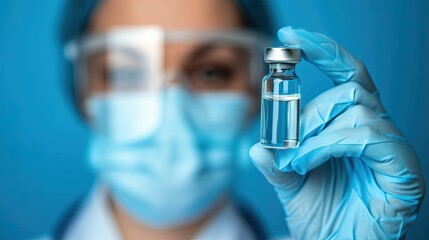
[179, 166]
[115, 116]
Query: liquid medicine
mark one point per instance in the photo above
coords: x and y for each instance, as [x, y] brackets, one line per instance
[281, 99]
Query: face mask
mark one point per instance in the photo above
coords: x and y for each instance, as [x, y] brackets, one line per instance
[178, 169]
[116, 117]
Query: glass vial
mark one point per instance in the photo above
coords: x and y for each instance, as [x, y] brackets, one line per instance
[281, 99]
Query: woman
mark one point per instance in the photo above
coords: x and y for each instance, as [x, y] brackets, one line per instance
[170, 91]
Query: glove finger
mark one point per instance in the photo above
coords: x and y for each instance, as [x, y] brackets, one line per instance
[331, 103]
[264, 160]
[342, 143]
[393, 161]
[360, 132]
[328, 56]
[396, 169]
[385, 155]
[360, 115]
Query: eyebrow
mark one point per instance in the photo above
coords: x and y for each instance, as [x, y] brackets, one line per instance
[204, 49]
[201, 50]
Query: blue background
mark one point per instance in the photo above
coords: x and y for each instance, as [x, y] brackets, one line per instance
[42, 143]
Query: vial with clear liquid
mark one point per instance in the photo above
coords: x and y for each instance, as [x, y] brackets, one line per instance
[281, 99]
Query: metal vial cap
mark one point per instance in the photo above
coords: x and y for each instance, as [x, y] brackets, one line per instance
[282, 55]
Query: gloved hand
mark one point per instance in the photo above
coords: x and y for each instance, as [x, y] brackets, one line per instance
[354, 176]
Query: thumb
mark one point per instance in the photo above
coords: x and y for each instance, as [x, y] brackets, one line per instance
[264, 160]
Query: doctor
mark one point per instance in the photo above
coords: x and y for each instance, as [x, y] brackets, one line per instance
[169, 91]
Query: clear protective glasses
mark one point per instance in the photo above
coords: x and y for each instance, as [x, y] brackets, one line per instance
[140, 59]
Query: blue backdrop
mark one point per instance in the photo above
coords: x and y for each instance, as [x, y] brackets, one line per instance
[42, 144]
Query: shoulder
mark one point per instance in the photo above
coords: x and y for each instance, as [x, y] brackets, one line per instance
[67, 217]
[88, 218]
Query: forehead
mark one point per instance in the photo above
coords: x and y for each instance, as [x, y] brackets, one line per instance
[169, 14]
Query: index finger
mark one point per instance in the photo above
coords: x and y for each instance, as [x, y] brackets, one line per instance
[340, 65]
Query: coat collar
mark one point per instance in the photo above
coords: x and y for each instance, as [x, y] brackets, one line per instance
[95, 221]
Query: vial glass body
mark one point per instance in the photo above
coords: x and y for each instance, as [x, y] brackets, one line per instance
[280, 107]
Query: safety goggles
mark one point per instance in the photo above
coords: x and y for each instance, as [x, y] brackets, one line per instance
[141, 59]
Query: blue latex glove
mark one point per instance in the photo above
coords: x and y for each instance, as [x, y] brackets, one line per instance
[354, 175]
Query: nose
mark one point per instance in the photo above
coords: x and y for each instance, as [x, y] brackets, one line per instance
[173, 77]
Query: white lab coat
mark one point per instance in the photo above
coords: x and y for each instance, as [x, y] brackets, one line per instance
[94, 221]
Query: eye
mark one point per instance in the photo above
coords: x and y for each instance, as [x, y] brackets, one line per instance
[210, 76]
